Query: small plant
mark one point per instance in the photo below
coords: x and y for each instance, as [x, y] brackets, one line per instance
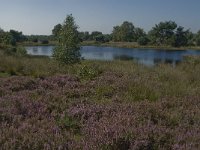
[69, 124]
[104, 92]
[89, 72]
[4, 74]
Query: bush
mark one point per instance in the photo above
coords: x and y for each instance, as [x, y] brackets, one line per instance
[198, 42]
[10, 51]
[89, 72]
[35, 40]
[192, 60]
[143, 41]
[15, 51]
[21, 51]
[44, 41]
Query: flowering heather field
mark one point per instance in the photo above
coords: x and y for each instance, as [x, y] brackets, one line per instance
[99, 105]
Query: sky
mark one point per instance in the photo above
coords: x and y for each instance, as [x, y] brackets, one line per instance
[40, 16]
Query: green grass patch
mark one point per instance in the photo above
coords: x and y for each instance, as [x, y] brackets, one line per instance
[3, 75]
[139, 92]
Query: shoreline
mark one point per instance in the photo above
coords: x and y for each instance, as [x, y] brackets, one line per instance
[51, 43]
[130, 45]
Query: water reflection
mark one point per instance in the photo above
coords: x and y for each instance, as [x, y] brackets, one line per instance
[35, 49]
[166, 61]
[123, 57]
[149, 57]
[39, 50]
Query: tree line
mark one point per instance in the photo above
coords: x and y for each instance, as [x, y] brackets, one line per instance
[166, 33]
[67, 50]
[13, 37]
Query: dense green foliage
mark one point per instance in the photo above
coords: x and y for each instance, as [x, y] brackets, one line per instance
[143, 40]
[21, 51]
[17, 36]
[95, 36]
[84, 36]
[163, 34]
[167, 33]
[11, 37]
[125, 32]
[39, 39]
[197, 39]
[14, 38]
[68, 50]
[56, 30]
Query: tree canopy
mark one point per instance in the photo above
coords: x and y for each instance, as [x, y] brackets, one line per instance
[169, 33]
[197, 38]
[124, 32]
[56, 30]
[163, 33]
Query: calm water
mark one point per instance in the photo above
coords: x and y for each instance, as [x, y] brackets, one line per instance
[148, 57]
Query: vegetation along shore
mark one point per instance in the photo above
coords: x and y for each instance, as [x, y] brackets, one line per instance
[134, 45]
[98, 104]
[65, 102]
[166, 35]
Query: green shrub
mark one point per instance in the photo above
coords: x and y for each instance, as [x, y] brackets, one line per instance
[139, 92]
[10, 50]
[88, 72]
[2, 75]
[192, 60]
[143, 41]
[35, 40]
[69, 123]
[103, 92]
[45, 42]
[21, 51]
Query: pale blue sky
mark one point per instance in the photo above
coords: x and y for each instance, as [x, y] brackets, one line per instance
[40, 16]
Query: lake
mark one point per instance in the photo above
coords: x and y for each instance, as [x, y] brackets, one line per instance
[149, 57]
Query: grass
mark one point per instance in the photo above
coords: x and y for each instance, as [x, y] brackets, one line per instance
[98, 104]
[136, 45]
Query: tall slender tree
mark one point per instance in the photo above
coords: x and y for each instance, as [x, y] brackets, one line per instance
[68, 49]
